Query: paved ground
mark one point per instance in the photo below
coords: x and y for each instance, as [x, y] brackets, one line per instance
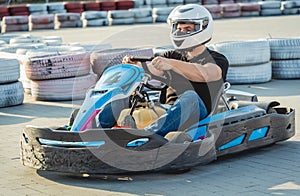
[271, 170]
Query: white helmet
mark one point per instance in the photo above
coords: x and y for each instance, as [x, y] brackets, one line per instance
[195, 14]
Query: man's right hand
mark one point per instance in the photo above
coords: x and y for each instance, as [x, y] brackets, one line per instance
[127, 60]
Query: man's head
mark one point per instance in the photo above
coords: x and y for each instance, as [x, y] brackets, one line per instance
[191, 26]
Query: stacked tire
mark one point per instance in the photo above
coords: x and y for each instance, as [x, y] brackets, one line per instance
[174, 3]
[91, 6]
[22, 42]
[250, 9]
[108, 5]
[291, 7]
[74, 7]
[231, 10]
[156, 3]
[210, 2]
[55, 8]
[215, 10]
[45, 21]
[124, 4]
[142, 15]
[11, 90]
[62, 77]
[67, 20]
[270, 8]
[247, 67]
[14, 23]
[161, 14]
[140, 4]
[18, 10]
[285, 57]
[4, 12]
[190, 1]
[102, 59]
[37, 9]
[94, 18]
[120, 17]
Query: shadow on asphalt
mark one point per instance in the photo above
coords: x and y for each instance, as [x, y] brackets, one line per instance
[214, 172]
[272, 88]
[27, 111]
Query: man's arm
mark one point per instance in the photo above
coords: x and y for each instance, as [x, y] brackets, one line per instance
[192, 71]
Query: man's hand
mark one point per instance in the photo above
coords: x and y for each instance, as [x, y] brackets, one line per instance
[161, 64]
[127, 60]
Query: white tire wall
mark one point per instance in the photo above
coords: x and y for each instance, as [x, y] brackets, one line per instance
[64, 89]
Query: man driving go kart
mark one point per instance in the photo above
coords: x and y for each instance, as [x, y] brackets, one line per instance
[198, 73]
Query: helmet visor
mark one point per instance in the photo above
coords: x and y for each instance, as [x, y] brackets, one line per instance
[198, 24]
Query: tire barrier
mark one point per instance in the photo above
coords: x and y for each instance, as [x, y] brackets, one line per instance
[108, 5]
[11, 94]
[74, 7]
[250, 9]
[290, 7]
[9, 70]
[58, 66]
[250, 74]
[65, 89]
[18, 10]
[120, 17]
[11, 90]
[215, 10]
[103, 59]
[218, 8]
[161, 14]
[37, 9]
[156, 3]
[4, 12]
[231, 10]
[94, 18]
[12, 48]
[91, 6]
[67, 20]
[55, 8]
[142, 15]
[174, 3]
[124, 5]
[245, 67]
[14, 23]
[270, 8]
[45, 21]
[285, 57]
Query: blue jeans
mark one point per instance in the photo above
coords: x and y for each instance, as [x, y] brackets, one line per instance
[187, 110]
[107, 118]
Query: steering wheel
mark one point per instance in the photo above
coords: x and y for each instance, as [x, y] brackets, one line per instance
[166, 79]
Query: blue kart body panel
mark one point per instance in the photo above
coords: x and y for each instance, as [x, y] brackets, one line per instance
[86, 149]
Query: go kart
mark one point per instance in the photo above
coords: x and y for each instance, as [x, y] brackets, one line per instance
[235, 125]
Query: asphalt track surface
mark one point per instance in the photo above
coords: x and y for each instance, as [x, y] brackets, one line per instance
[273, 170]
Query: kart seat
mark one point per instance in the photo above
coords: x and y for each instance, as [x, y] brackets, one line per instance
[143, 116]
